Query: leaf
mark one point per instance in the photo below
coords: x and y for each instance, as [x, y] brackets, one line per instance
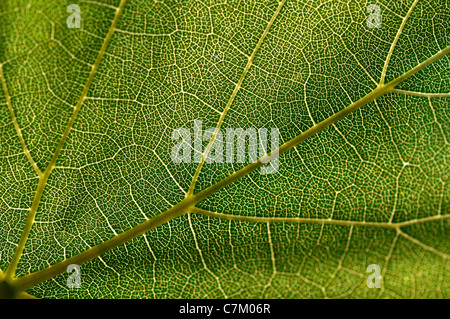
[86, 121]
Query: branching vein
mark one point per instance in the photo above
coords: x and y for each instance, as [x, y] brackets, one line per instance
[189, 202]
[16, 124]
[394, 43]
[421, 94]
[328, 221]
[11, 270]
[232, 97]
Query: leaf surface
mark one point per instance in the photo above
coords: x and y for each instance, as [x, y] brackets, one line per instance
[369, 189]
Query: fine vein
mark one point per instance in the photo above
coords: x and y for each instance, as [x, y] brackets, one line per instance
[328, 221]
[232, 97]
[16, 124]
[394, 43]
[10, 271]
[421, 94]
[188, 203]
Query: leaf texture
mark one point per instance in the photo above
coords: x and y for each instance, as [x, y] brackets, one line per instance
[368, 189]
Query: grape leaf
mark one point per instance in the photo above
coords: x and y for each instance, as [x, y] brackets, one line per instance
[87, 177]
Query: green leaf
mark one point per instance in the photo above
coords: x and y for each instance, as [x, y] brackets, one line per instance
[87, 178]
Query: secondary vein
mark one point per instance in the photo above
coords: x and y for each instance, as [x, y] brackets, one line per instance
[420, 94]
[232, 97]
[188, 203]
[394, 43]
[11, 270]
[328, 221]
[16, 124]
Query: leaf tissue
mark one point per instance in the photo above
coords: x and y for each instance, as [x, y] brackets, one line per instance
[224, 149]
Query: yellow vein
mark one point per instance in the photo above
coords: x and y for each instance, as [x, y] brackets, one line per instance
[344, 254]
[186, 205]
[376, 93]
[421, 94]
[347, 49]
[273, 259]
[200, 253]
[94, 69]
[438, 124]
[10, 271]
[424, 246]
[397, 36]
[387, 259]
[328, 221]
[16, 124]
[232, 97]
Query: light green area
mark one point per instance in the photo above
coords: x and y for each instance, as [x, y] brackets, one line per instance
[86, 117]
